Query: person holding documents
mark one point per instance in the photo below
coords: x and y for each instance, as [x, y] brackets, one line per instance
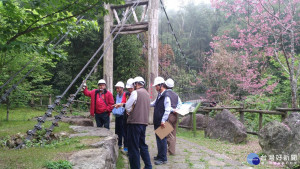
[162, 108]
[137, 107]
[175, 104]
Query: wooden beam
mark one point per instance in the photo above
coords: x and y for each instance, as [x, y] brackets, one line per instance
[127, 25]
[131, 32]
[144, 13]
[129, 4]
[220, 108]
[125, 15]
[108, 47]
[131, 26]
[116, 16]
[262, 111]
[288, 109]
[134, 15]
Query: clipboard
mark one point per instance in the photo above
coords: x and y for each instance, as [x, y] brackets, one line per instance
[163, 132]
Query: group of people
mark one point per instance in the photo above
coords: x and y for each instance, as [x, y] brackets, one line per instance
[131, 112]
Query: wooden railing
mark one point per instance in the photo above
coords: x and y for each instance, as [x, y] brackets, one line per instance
[50, 102]
[78, 101]
[32, 103]
[283, 112]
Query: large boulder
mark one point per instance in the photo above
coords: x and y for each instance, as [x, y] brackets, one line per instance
[226, 127]
[78, 121]
[187, 121]
[283, 139]
[101, 154]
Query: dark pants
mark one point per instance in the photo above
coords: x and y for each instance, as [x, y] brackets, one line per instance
[119, 129]
[102, 119]
[125, 130]
[137, 146]
[161, 147]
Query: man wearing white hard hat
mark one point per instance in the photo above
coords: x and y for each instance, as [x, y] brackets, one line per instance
[175, 104]
[162, 108]
[102, 102]
[137, 107]
[130, 88]
[119, 113]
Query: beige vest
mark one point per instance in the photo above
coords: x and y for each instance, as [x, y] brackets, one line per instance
[140, 112]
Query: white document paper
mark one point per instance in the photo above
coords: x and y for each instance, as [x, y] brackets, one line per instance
[184, 109]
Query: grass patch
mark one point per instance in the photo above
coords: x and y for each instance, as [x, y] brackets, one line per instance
[20, 121]
[60, 164]
[20, 114]
[120, 161]
[202, 160]
[38, 157]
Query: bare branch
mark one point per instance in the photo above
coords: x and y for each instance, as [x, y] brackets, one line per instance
[277, 58]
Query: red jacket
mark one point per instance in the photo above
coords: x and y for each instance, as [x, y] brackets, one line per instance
[125, 97]
[101, 107]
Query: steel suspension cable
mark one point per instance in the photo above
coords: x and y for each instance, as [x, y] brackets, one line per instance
[13, 76]
[71, 98]
[30, 133]
[177, 42]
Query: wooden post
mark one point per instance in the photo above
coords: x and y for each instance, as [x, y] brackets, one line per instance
[7, 109]
[206, 117]
[108, 47]
[71, 110]
[260, 120]
[284, 105]
[32, 100]
[242, 119]
[195, 119]
[153, 11]
[50, 99]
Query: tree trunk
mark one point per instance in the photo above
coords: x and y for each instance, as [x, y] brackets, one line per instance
[294, 92]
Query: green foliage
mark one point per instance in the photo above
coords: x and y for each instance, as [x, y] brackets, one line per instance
[129, 61]
[61, 164]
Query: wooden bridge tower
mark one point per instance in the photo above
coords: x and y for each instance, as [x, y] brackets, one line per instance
[148, 21]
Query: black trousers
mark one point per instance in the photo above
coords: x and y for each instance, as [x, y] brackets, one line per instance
[137, 146]
[102, 119]
[119, 129]
[125, 129]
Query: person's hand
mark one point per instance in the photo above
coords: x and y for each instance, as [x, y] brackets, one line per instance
[118, 105]
[162, 124]
[83, 85]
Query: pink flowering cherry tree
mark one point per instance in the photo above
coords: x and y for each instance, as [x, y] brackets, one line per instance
[268, 28]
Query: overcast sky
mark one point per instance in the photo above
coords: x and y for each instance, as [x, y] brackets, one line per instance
[175, 4]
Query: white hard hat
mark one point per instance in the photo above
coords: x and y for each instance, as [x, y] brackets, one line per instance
[170, 83]
[120, 84]
[139, 79]
[158, 80]
[101, 81]
[129, 83]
